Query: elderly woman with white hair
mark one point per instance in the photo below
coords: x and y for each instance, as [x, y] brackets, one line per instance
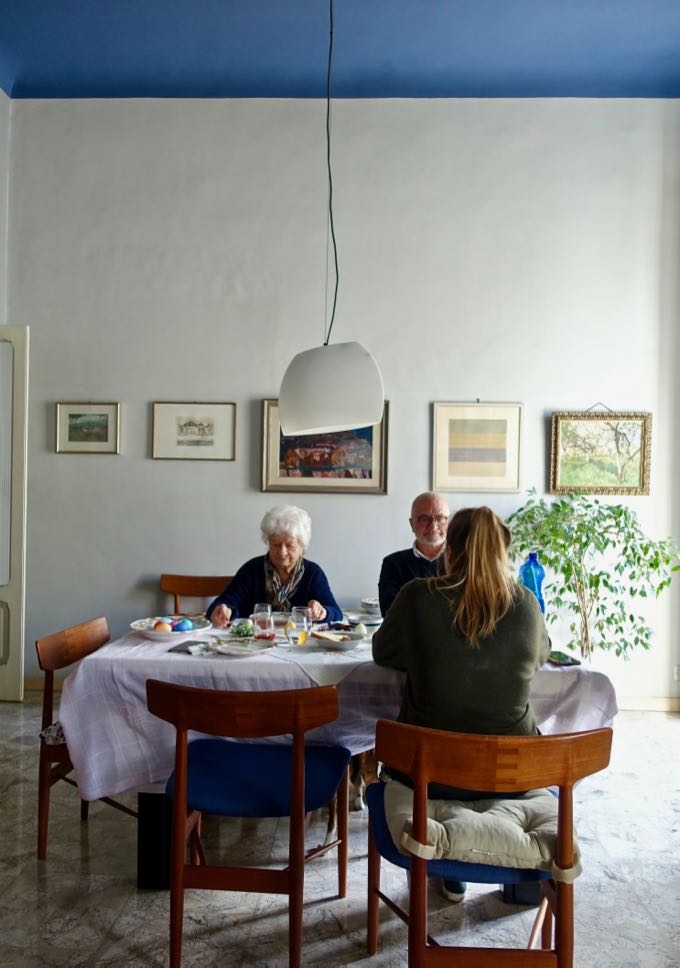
[282, 577]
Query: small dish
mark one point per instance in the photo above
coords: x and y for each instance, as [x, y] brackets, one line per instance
[370, 605]
[145, 627]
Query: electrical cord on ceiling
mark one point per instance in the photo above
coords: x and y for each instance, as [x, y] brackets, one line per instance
[329, 75]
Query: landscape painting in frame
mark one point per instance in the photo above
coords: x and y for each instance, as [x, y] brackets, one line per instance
[342, 462]
[87, 428]
[600, 453]
[476, 446]
[194, 431]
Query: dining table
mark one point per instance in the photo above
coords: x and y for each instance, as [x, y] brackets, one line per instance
[117, 745]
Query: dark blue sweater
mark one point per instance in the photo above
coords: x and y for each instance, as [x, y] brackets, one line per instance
[247, 588]
[399, 568]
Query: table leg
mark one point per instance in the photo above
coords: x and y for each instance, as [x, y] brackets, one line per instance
[154, 824]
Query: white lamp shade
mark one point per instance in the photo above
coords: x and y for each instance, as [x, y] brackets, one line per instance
[336, 387]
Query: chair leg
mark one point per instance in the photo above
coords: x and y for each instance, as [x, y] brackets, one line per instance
[417, 913]
[84, 809]
[342, 801]
[373, 888]
[44, 784]
[539, 921]
[564, 925]
[178, 856]
[547, 930]
[296, 887]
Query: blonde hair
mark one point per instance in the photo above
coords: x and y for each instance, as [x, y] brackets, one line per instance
[477, 572]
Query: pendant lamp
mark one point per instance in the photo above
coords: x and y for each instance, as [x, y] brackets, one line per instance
[334, 386]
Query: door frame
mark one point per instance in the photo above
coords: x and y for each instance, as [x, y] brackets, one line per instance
[13, 595]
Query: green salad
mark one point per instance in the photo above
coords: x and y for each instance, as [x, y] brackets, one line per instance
[242, 628]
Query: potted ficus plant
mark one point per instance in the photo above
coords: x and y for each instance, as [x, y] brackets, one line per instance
[598, 562]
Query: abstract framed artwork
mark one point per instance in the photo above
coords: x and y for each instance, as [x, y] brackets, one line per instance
[194, 431]
[88, 428]
[600, 453]
[342, 462]
[476, 446]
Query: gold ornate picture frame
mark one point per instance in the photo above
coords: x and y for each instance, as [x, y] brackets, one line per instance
[600, 453]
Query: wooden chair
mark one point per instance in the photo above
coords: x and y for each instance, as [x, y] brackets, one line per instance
[249, 780]
[493, 763]
[194, 586]
[57, 651]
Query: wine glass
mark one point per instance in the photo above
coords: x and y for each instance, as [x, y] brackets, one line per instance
[297, 629]
[263, 621]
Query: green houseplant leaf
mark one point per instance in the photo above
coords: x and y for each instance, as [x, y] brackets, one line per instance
[600, 562]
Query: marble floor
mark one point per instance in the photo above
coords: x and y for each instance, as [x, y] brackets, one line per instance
[81, 905]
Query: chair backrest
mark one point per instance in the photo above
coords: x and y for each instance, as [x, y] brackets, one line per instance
[506, 764]
[61, 649]
[503, 764]
[194, 586]
[242, 715]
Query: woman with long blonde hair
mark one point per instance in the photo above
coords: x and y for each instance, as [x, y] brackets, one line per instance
[469, 641]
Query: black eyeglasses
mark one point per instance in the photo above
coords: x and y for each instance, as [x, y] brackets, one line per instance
[439, 519]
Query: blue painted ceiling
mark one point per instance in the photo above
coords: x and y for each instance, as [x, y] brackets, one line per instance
[383, 48]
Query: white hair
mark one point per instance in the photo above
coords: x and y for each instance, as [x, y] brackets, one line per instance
[287, 519]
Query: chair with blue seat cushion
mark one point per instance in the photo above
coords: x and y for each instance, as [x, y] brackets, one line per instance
[502, 764]
[232, 779]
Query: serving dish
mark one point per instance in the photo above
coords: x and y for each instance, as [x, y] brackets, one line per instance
[337, 641]
[145, 627]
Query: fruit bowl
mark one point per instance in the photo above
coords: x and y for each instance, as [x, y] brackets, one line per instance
[145, 627]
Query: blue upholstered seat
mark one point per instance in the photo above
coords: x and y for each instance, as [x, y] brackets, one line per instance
[253, 779]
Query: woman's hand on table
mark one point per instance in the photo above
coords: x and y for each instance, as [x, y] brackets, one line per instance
[316, 610]
[221, 616]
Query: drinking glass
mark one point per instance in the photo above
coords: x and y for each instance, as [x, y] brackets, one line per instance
[263, 621]
[299, 625]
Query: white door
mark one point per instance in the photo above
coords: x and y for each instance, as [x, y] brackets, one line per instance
[13, 448]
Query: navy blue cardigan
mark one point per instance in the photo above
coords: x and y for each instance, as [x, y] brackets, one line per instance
[247, 588]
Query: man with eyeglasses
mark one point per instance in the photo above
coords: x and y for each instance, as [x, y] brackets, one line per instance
[429, 518]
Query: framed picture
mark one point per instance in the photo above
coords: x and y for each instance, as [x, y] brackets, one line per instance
[343, 462]
[88, 428]
[194, 431]
[600, 453]
[476, 446]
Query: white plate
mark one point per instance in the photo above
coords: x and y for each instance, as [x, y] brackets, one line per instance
[144, 626]
[234, 646]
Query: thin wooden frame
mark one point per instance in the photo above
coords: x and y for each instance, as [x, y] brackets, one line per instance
[600, 453]
[194, 431]
[344, 462]
[476, 446]
[87, 428]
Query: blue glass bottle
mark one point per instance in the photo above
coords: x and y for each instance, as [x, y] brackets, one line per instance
[531, 574]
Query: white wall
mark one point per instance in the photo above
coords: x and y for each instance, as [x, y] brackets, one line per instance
[506, 250]
[4, 185]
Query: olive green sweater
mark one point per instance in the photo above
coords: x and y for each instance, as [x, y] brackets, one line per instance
[449, 684]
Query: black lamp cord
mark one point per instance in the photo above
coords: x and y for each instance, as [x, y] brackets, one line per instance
[330, 174]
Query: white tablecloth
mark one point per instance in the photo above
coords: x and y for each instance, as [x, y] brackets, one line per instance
[116, 744]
